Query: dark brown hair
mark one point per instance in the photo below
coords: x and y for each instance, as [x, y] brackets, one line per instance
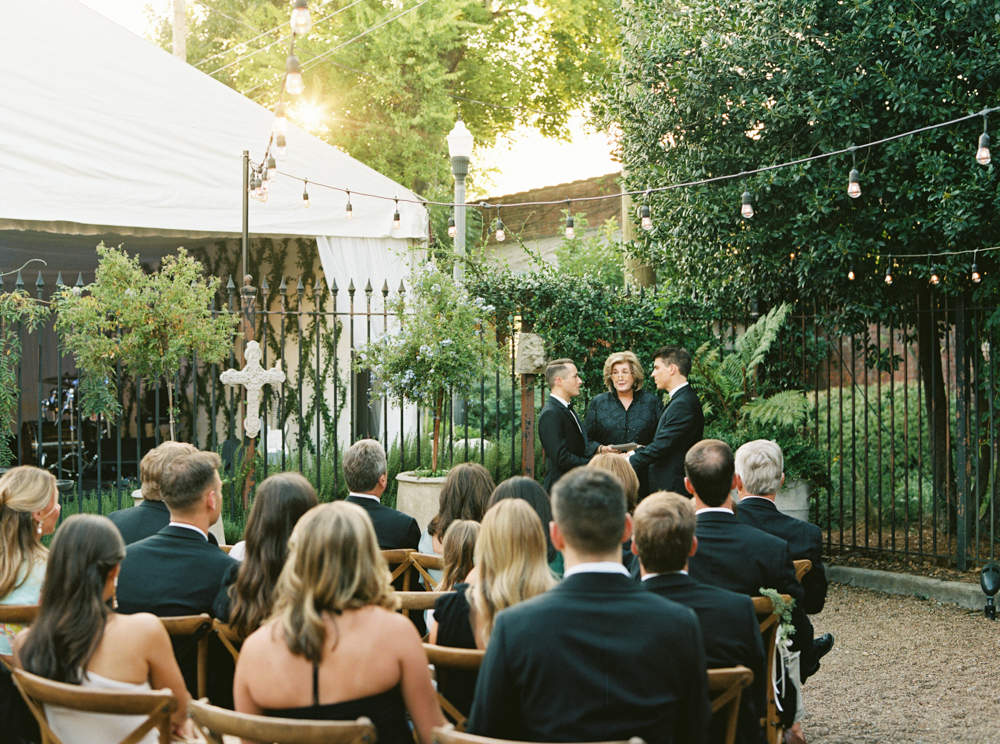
[589, 506]
[528, 489]
[675, 355]
[187, 476]
[458, 549]
[463, 496]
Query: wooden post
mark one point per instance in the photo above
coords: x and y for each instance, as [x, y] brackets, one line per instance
[528, 426]
[248, 327]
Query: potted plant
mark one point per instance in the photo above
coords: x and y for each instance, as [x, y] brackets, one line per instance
[445, 343]
[736, 414]
[147, 321]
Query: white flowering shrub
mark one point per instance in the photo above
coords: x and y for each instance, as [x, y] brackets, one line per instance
[446, 341]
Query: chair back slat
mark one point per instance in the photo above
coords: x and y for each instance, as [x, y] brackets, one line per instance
[456, 659]
[802, 567]
[215, 722]
[18, 614]
[725, 690]
[156, 705]
[189, 625]
[419, 600]
[228, 637]
[764, 608]
[424, 561]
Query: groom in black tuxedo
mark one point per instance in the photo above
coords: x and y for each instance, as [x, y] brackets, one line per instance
[596, 658]
[563, 437]
[681, 425]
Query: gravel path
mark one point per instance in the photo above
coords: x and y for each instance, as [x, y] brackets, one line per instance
[903, 670]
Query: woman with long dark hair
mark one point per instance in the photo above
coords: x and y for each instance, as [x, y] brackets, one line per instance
[247, 592]
[29, 510]
[78, 639]
[464, 494]
[334, 648]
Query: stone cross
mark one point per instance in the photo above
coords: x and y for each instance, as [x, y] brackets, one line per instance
[253, 377]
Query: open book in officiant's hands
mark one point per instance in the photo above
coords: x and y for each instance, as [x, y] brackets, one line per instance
[624, 447]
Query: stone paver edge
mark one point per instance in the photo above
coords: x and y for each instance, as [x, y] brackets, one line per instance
[968, 596]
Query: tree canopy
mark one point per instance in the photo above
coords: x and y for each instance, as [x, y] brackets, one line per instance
[395, 90]
[710, 89]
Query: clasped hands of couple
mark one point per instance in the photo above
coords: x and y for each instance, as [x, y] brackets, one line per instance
[611, 450]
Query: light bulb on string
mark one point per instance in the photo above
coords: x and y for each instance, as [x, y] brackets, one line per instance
[935, 277]
[349, 210]
[850, 274]
[853, 185]
[976, 277]
[646, 219]
[280, 149]
[294, 83]
[983, 153]
[280, 119]
[570, 231]
[300, 20]
[263, 197]
[888, 275]
[265, 184]
[501, 233]
[396, 221]
[272, 169]
[452, 230]
[305, 193]
[746, 210]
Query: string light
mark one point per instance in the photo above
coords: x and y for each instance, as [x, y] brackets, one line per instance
[983, 153]
[646, 219]
[305, 194]
[452, 230]
[396, 221]
[300, 21]
[294, 83]
[888, 275]
[279, 147]
[349, 210]
[570, 231]
[747, 209]
[280, 119]
[850, 275]
[272, 168]
[265, 184]
[501, 233]
[935, 278]
[976, 278]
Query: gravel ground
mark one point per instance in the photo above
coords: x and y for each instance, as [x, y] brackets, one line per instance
[903, 670]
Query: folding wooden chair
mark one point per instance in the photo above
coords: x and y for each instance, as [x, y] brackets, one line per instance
[228, 638]
[16, 615]
[448, 735]
[156, 705]
[400, 558]
[419, 600]
[454, 659]
[725, 689]
[197, 626]
[764, 608]
[215, 722]
[424, 561]
[802, 567]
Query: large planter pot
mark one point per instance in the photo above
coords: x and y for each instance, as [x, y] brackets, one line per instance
[418, 497]
[215, 529]
[793, 499]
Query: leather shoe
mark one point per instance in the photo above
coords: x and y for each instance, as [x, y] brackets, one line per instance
[822, 645]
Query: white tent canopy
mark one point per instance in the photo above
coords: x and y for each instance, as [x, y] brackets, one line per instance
[105, 134]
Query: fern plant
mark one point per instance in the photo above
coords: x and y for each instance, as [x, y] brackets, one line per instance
[736, 412]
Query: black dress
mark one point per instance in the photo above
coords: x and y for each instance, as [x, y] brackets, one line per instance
[609, 423]
[454, 629]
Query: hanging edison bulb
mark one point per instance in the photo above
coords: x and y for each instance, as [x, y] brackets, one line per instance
[501, 233]
[935, 277]
[300, 20]
[647, 220]
[305, 193]
[279, 147]
[280, 119]
[294, 83]
[888, 275]
[747, 208]
[570, 231]
[396, 221]
[452, 230]
[349, 210]
[983, 153]
[272, 169]
[850, 275]
[976, 277]
[853, 184]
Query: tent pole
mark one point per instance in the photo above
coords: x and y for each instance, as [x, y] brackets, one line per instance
[246, 212]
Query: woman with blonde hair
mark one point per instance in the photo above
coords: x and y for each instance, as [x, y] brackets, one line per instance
[333, 616]
[29, 510]
[624, 473]
[627, 413]
[511, 566]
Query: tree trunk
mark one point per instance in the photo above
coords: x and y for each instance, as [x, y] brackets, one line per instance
[935, 395]
[438, 410]
[170, 410]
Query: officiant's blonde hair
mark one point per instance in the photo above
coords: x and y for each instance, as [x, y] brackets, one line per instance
[633, 364]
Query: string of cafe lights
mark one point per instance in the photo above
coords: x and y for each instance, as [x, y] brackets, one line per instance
[264, 173]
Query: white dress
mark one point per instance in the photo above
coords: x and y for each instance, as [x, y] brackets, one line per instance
[80, 727]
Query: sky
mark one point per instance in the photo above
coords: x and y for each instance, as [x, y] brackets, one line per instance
[528, 161]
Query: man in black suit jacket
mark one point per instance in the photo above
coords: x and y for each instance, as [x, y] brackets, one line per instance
[664, 540]
[759, 474]
[596, 658]
[151, 515]
[178, 571]
[681, 425]
[736, 556]
[563, 437]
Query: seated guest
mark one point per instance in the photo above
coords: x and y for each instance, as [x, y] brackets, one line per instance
[528, 489]
[247, 592]
[463, 496]
[596, 658]
[619, 467]
[664, 539]
[178, 571]
[335, 649]
[459, 550]
[29, 510]
[77, 639]
[510, 568]
[735, 556]
[151, 514]
[759, 474]
[626, 413]
[366, 474]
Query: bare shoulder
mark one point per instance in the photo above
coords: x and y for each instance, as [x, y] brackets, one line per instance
[142, 629]
[262, 640]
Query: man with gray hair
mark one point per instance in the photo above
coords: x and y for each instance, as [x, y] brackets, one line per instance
[759, 474]
[366, 474]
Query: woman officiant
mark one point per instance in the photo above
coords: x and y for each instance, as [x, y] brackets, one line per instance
[626, 413]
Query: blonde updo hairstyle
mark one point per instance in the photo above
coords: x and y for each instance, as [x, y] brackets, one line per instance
[511, 555]
[633, 364]
[334, 564]
[24, 490]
